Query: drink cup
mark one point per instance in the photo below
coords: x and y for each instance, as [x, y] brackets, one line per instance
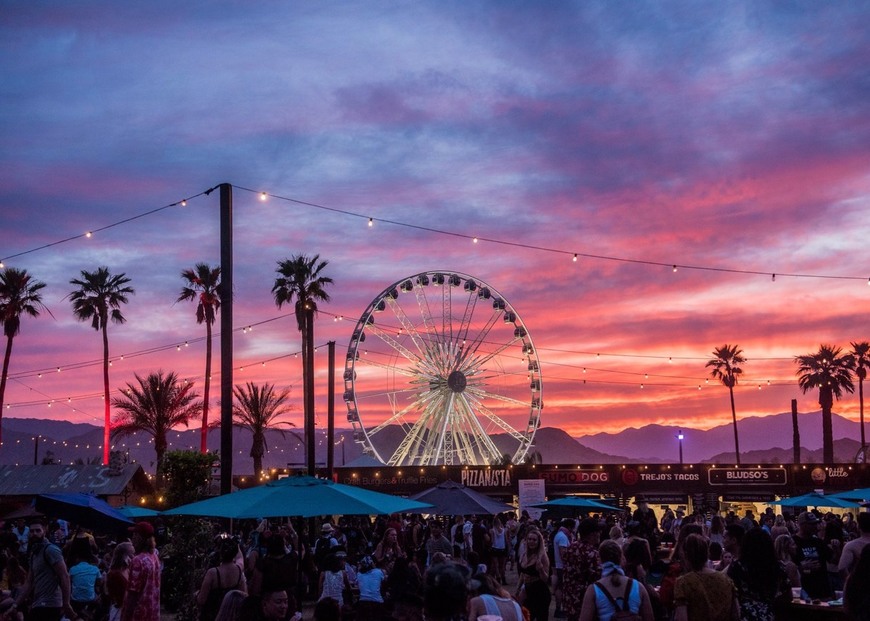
[796, 593]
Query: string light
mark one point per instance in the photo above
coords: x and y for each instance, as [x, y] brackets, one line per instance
[88, 234]
[263, 196]
[575, 258]
[184, 203]
[371, 223]
[675, 268]
[474, 240]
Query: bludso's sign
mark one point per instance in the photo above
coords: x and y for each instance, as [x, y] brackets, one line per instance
[747, 476]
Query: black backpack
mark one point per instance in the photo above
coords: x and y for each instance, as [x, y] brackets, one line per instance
[621, 614]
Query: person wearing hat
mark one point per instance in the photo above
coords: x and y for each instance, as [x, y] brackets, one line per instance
[647, 518]
[324, 544]
[812, 556]
[142, 602]
[581, 566]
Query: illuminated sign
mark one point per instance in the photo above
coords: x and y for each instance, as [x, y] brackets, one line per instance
[747, 476]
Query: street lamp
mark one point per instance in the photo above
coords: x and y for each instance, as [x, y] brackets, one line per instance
[680, 438]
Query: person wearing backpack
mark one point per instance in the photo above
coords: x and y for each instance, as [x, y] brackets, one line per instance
[615, 597]
[47, 586]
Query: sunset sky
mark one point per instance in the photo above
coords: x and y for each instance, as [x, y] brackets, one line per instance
[731, 140]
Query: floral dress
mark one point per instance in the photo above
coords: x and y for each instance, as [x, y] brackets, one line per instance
[582, 567]
[757, 602]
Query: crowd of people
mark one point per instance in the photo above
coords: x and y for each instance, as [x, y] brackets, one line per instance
[616, 565]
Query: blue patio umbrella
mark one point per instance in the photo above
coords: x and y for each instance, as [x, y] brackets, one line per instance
[134, 512]
[854, 494]
[452, 498]
[576, 502]
[301, 496]
[82, 509]
[814, 499]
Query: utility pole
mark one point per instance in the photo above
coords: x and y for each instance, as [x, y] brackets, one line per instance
[330, 412]
[226, 295]
[796, 440]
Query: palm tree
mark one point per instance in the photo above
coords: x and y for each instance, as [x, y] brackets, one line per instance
[827, 370]
[860, 358]
[256, 408]
[155, 405]
[98, 299]
[203, 282]
[19, 295]
[300, 277]
[726, 367]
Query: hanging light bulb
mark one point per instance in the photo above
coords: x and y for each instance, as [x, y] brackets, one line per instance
[88, 234]
[184, 203]
[675, 268]
[263, 196]
[575, 258]
[371, 222]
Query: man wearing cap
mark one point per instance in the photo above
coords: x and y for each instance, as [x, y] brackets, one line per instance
[647, 518]
[142, 602]
[47, 585]
[582, 566]
[812, 556]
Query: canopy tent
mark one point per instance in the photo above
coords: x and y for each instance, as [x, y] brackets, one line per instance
[452, 498]
[299, 496]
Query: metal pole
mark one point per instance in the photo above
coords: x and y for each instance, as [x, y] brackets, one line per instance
[796, 438]
[330, 412]
[680, 438]
[226, 295]
[35, 450]
[308, 381]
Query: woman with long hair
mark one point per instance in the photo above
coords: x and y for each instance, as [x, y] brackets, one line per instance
[533, 574]
[614, 591]
[498, 551]
[785, 549]
[703, 594]
[117, 578]
[760, 578]
[492, 599]
[388, 550]
[218, 581]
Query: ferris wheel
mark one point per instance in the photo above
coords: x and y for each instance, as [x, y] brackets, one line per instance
[441, 370]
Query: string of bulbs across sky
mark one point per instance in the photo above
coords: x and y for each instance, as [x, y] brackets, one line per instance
[574, 256]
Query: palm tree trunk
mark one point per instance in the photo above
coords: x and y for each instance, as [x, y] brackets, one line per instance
[107, 428]
[308, 381]
[826, 400]
[860, 403]
[734, 421]
[203, 443]
[257, 454]
[6, 372]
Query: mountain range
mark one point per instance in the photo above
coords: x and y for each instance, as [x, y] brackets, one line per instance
[762, 439]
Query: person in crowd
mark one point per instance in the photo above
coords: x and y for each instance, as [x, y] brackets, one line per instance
[278, 569]
[274, 606]
[457, 538]
[324, 545]
[852, 549]
[759, 577]
[561, 540]
[715, 555]
[142, 601]
[492, 599]
[812, 556]
[22, 534]
[498, 551]
[403, 586]
[371, 590]
[231, 606]
[533, 572]
[445, 593]
[86, 579]
[646, 517]
[582, 566]
[616, 535]
[388, 550]
[117, 578]
[731, 541]
[334, 582]
[702, 594]
[47, 585]
[614, 591]
[785, 549]
[678, 566]
[856, 595]
[833, 536]
[717, 530]
[437, 542]
[218, 581]
[850, 527]
[779, 527]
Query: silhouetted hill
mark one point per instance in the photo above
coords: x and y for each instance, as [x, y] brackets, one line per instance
[761, 440]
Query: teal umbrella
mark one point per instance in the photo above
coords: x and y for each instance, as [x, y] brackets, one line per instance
[855, 494]
[814, 499]
[576, 502]
[134, 512]
[301, 496]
